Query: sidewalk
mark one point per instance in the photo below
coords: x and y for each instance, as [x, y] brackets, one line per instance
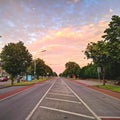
[90, 82]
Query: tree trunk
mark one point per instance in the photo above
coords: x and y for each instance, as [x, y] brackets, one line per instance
[103, 75]
[12, 81]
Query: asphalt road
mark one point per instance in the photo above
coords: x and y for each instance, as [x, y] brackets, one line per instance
[19, 106]
[59, 99]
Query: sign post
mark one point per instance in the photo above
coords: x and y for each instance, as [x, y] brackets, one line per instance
[99, 71]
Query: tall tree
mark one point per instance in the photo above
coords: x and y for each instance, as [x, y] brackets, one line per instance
[100, 55]
[112, 37]
[107, 52]
[40, 68]
[72, 69]
[15, 59]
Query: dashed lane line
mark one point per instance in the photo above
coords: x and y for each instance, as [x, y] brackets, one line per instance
[62, 100]
[61, 94]
[57, 91]
[94, 114]
[68, 112]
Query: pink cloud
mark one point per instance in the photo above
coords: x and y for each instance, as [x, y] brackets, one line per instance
[67, 44]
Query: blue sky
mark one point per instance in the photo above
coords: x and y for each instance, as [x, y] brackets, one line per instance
[62, 27]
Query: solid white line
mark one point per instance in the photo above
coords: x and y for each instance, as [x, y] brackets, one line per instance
[83, 102]
[61, 94]
[31, 113]
[63, 111]
[62, 100]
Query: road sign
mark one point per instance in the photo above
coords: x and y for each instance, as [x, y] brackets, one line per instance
[99, 69]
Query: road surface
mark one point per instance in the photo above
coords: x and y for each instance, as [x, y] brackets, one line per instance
[60, 99]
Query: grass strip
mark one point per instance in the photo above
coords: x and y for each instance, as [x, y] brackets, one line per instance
[110, 87]
[26, 83]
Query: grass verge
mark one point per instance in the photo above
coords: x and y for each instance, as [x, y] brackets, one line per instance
[26, 83]
[110, 87]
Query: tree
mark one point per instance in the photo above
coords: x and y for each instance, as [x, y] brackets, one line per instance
[72, 69]
[89, 71]
[112, 37]
[15, 59]
[55, 74]
[106, 53]
[100, 55]
[41, 68]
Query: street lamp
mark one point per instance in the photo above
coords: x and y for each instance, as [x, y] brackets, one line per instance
[36, 63]
[34, 67]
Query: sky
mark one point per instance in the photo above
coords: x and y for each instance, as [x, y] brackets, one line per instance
[56, 31]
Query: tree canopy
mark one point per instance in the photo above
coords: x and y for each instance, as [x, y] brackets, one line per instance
[15, 58]
[40, 68]
[112, 37]
[107, 51]
[72, 69]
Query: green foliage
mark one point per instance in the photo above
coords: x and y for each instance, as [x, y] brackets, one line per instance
[41, 69]
[110, 87]
[112, 37]
[72, 69]
[89, 71]
[98, 52]
[106, 53]
[15, 58]
[55, 74]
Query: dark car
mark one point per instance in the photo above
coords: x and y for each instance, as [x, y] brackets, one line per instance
[2, 79]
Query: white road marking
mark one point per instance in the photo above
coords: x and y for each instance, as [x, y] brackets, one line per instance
[57, 91]
[63, 111]
[83, 102]
[31, 113]
[61, 94]
[63, 100]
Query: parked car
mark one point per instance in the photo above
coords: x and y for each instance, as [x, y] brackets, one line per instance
[2, 79]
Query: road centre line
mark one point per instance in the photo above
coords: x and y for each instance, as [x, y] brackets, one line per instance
[68, 112]
[95, 115]
[61, 94]
[62, 100]
[31, 113]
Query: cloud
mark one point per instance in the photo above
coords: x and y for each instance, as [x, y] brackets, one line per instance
[72, 1]
[67, 44]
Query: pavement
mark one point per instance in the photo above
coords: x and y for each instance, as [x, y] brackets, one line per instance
[95, 82]
[90, 82]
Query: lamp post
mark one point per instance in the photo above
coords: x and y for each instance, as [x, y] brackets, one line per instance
[35, 64]
[34, 67]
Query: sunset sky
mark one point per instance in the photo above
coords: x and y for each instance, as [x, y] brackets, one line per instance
[56, 31]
